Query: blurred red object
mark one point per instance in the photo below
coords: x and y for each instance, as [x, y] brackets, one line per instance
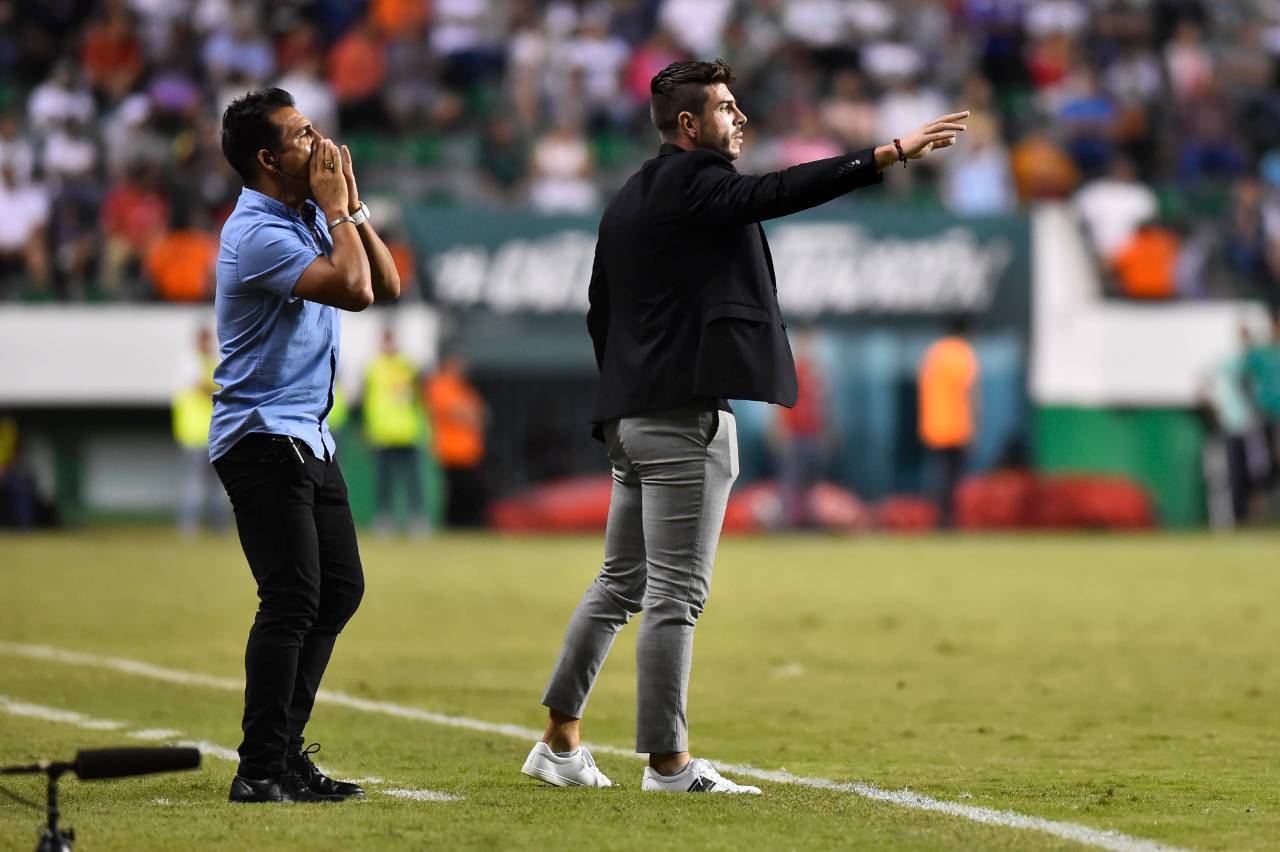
[1021, 500]
[563, 505]
[906, 513]
[1092, 502]
[582, 503]
[1003, 500]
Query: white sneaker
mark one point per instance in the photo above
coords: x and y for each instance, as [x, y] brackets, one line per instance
[577, 770]
[698, 776]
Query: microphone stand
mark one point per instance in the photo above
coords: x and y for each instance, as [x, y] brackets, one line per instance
[55, 839]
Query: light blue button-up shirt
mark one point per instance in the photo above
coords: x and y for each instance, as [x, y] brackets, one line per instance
[279, 351]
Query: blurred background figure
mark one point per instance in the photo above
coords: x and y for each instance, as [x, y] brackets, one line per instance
[1237, 459]
[24, 261]
[458, 420]
[949, 400]
[20, 504]
[203, 503]
[395, 430]
[1262, 378]
[800, 438]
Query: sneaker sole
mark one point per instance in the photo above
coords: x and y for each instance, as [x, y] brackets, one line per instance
[550, 777]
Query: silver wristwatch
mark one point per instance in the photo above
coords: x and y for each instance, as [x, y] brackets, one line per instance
[357, 218]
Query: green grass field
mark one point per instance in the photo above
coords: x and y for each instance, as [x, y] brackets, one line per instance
[1125, 684]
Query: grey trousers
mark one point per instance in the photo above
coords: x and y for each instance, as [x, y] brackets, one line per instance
[671, 477]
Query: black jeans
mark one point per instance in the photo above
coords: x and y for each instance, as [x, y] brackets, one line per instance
[296, 530]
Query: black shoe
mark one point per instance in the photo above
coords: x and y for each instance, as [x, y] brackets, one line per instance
[299, 762]
[288, 787]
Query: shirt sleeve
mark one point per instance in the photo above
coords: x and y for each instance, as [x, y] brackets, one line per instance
[272, 257]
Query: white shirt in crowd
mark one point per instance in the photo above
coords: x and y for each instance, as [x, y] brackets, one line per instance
[1112, 210]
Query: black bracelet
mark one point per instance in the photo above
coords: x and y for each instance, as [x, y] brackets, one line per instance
[902, 155]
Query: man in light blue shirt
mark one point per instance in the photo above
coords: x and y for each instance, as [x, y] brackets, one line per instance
[297, 248]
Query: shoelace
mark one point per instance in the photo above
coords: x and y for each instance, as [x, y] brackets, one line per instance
[311, 769]
[295, 778]
[702, 768]
[591, 761]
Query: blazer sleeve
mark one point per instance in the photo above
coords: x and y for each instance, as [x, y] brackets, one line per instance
[598, 310]
[716, 193]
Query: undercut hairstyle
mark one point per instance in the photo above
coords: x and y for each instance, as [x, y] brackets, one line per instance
[247, 129]
[682, 87]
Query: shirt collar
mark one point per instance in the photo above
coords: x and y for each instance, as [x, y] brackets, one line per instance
[667, 149]
[261, 201]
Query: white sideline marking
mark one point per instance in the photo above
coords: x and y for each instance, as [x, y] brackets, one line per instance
[211, 749]
[1114, 841]
[155, 734]
[52, 714]
[424, 795]
[206, 748]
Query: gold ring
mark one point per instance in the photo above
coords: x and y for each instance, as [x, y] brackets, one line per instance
[329, 165]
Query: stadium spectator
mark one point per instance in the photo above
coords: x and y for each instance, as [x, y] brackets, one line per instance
[1041, 169]
[849, 112]
[561, 173]
[980, 182]
[15, 150]
[112, 53]
[504, 158]
[357, 72]
[24, 259]
[949, 402]
[458, 420]
[238, 50]
[395, 430]
[134, 214]
[600, 56]
[62, 97]
[180, 262]
[1145, 266]
[1250, 249]
[1113, 207]
[311, 92]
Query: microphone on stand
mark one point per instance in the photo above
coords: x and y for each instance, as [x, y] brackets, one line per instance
[95, 763]
[124, 762]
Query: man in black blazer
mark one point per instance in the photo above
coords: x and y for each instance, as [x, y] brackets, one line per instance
[684, 316]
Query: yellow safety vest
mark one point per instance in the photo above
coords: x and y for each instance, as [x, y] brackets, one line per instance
[392, 414]
[193, 410]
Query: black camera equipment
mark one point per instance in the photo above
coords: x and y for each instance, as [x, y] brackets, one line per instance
[100, 763]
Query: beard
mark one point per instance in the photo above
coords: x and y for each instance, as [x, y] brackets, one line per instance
[724, 144]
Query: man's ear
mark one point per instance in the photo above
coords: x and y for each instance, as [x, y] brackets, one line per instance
[687, 124]
[268, 161]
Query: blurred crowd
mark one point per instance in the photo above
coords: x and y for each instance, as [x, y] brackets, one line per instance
[1160, 118]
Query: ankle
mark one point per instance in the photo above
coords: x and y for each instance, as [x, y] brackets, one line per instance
[562, 733]
[669, 763]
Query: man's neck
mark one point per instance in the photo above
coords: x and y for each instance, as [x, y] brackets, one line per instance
[274, 190]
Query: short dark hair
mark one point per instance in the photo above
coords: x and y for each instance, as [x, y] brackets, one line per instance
[247, 128]
[682, 87]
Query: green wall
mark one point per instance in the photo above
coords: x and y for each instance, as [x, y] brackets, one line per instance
[1158, 447]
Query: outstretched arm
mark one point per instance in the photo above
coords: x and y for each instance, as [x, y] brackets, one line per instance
[717, 194]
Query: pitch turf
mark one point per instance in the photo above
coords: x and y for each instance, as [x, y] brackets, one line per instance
[1117, 683]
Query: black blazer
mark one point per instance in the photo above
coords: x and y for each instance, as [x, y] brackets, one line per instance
[684, 303]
